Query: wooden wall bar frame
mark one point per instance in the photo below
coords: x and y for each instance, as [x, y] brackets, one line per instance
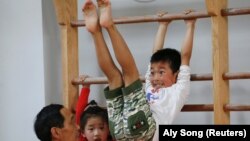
[220, 60]
[66, 10]
[235, 11]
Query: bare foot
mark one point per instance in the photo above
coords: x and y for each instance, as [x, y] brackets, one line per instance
[91, 17]
[105, 13]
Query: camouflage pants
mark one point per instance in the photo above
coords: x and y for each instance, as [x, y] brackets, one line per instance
[130, 117]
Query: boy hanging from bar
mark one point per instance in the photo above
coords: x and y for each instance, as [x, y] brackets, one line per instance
[129, 113]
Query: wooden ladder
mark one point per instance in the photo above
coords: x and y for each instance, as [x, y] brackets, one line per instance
[217, 10]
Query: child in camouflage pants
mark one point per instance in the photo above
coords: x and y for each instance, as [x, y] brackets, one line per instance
[130, 117]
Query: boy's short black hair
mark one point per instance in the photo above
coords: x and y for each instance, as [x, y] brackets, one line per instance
[168, 55]
[50, 116]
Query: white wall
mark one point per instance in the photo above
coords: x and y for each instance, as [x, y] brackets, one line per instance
[30, 60]
[52, 54]
[21, 68]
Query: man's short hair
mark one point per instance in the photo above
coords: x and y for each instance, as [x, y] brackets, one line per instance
[50, 116]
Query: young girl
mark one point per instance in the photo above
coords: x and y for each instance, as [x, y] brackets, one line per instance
[94, 123]
[92, 119]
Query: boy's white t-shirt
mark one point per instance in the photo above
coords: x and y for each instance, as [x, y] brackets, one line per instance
[166, 103]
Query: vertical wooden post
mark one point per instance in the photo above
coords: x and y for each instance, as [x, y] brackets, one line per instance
[66, 10]
[220, 60]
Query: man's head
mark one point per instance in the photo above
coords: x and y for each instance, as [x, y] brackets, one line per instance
[55, 123]
[165, 65]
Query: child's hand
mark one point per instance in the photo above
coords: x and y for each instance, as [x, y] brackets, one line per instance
[189, 22]
[186, 12]
[82, 79]
[161, 14]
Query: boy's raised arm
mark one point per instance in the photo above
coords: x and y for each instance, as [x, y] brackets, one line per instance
[186, 50]
[160, 35]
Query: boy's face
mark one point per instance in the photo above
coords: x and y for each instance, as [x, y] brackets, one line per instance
[161, 75]
[96, 129]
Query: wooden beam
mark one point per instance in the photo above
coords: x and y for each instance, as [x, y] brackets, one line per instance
[198, 108]
[104, 80]
[172, 16]
[66, 10]
[152, 18]
[220, 60]
[194, 77]
[235, 11]
[60, 12]
[234, 107]
[201, 77]
[239, 75]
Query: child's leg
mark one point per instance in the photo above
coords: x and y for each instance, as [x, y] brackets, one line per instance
[122, 52]
[113, 93]
[104, 58]
[138, 120]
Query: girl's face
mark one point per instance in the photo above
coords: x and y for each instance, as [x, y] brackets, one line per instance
[96, 129]
[161, 75]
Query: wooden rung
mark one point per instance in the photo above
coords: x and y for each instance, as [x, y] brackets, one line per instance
[95, 80]
[198, 108]
[103, 80]
[235, 11]
[91, 80]
[194, 77]
[210, 107]
[238, 75]
[201, 77]
[174, 16]
[231, 107]
[152, 18]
